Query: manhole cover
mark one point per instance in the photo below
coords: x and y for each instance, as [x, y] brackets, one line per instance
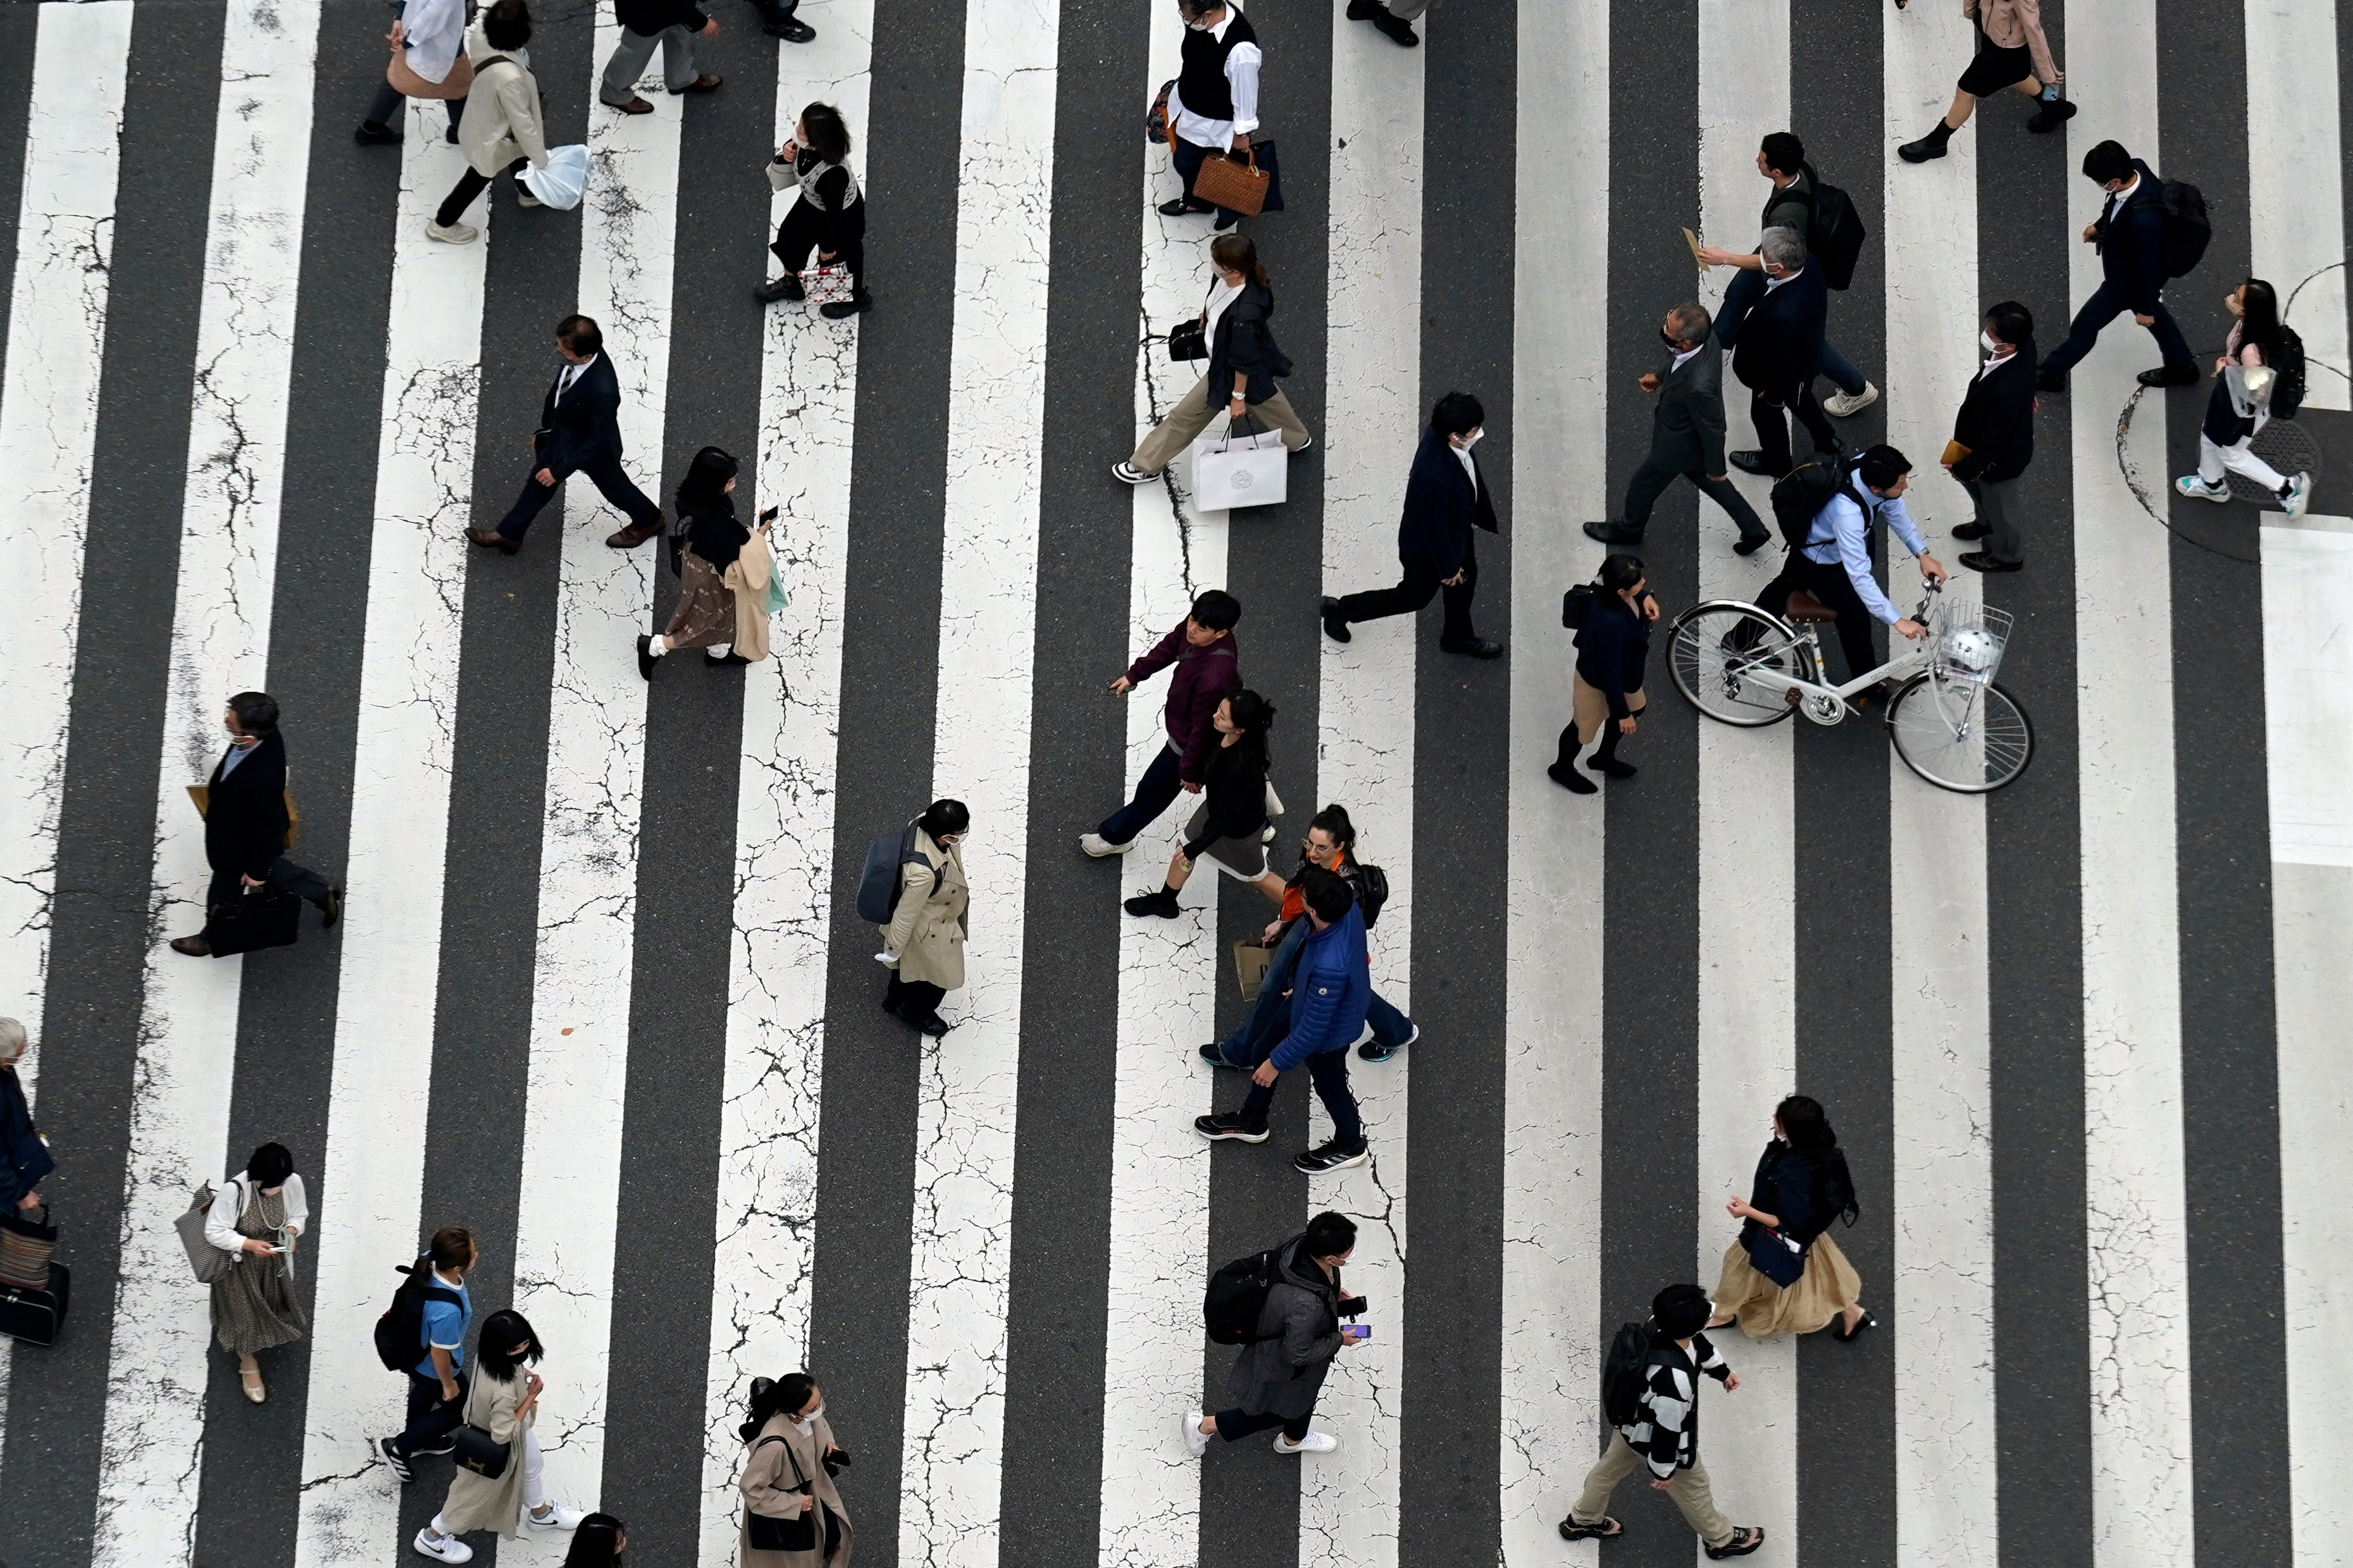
[2285, 445]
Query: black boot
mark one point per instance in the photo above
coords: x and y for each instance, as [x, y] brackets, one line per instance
[1604, 759]
[1563, 770]
[1931, 145]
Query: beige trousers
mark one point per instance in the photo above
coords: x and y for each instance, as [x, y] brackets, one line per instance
[1192, 415]
[1689, 1492]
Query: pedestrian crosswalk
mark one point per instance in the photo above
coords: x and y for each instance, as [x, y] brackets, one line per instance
[601, 993]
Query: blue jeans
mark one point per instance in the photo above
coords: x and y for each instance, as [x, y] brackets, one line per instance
[2107, 304]
[1269, 1016]
[1154, 791]
[1840, 370]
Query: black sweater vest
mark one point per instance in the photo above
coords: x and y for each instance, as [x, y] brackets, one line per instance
[1201, 85]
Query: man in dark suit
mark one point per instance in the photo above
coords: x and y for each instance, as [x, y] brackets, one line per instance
[672, 24]
[1686, 435]
[579, 433]
[1776, 348]
[245, 820]
[1995, 430]
[1445, 499]
[2129, 233]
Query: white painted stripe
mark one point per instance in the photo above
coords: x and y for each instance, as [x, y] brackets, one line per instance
[2308, 713]
[766, 1209]
[1550, 1417]
[964, 1154]
[49, 426]
[2132, 1027]
[1748, 870]
[1170, 969]
[1946, 1492]
[566, 1221]
[374, 1168]
[2295, 193]
[159, 1354]
[1348, 1499]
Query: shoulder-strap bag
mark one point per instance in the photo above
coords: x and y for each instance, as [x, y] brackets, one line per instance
[206, 1261]
[764, 1532]
[477, 1450]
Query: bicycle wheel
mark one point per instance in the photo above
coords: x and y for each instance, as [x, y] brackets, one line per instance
[1714, 648]
[1974, 744]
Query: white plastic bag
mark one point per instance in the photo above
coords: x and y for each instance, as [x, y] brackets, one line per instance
[564, 180]
[1236, 470]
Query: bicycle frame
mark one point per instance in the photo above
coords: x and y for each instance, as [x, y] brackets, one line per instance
[1829, 704]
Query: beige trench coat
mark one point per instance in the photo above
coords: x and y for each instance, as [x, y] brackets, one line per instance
[475, 1503]
[748, 576]
[502, 121]
[770, 1487]
[925, 936]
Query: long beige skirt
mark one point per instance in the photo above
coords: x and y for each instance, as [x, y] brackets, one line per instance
[1828, 1286]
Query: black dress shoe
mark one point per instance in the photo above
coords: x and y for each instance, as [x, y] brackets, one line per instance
[193, 946]
[1226, 220]
[2171, 375]
[1475, 647]
[1361, 10]
[1612, 533]
[1333, 626]
[1569, 779]
[930, 1024]
[1394, 28]
[492, 539]
[1979, 561]
[1750, 543]
[858, 304]
[645, 657]
[1752, 463]
[371, 135]
[1970, 530]
[332, 909]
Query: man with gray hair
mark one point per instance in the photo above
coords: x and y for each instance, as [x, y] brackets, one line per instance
[1777, 349]
[1686, 435]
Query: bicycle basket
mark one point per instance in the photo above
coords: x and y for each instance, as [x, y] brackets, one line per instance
[1966, 640]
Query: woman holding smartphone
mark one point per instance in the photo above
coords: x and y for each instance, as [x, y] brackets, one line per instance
[255, 1218]
[723, 572]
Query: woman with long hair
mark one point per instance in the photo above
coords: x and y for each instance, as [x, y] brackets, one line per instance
[2226, 441]
[713, 614]
[793, 1514]
[829, 217]
[502, 1401]
[598, 1543]
[1244, 364]
[255, 1219]
[1229, 825]
[1783, 1274]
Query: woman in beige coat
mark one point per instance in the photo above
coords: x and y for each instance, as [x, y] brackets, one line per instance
[924, 944]
[788, 1480]
[2012, 54]
[503, 126]
[503, 1401]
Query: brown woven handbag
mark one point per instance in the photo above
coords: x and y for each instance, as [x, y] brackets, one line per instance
[1237, 186]
[408, 84]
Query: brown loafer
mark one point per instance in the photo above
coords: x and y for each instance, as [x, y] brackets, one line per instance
[492, 539]
[635, 106]
[193, 946]
[702, 83]
[637, 533]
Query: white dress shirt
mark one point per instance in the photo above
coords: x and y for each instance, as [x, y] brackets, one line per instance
[1682, 356]
[1462, 453]
[1241, 81]
[436, 30]
[571, 374]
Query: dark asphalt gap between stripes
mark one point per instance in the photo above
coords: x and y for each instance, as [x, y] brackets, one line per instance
[1650, 885]
[1274, 565]
[1449, 1461]
[2027, 199]
[1844, 911]
[886, 737]
[248, 1500]
[89, 1033]
[2229, 1073]
[18, 26]
[656, 1423]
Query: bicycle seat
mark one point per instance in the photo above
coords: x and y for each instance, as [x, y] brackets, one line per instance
[1804, 607]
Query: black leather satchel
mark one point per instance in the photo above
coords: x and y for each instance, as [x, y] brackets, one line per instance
[477, 1450]
[764, 1532]
[1186, 341]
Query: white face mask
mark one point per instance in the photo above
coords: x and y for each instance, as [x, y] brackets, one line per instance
[806, 1422]
[1473, 439]
[1984, 341]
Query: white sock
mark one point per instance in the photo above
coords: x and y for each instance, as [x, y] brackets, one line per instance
[658, 647]
[718, 650]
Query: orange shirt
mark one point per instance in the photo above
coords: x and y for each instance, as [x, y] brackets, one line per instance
[1294, 902]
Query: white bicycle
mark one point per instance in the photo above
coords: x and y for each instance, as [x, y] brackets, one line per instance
[1949, 720]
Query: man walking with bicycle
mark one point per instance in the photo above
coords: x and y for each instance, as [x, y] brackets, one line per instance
[1833, 566]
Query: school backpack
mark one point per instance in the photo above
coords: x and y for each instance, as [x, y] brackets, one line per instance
[1236, 1295]
[1575, 602]
[1372, 892]
[2181, 239]
[1625, 1373]
[400, 1330]
[878, 885]
[2287, 368]
[1834, 232]
[1799, 495]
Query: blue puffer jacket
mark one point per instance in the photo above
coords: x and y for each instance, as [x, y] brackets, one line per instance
[1329, 992]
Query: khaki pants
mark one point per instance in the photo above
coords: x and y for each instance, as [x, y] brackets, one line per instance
[1592, 708]
[1689, 1492]
[1192, 415]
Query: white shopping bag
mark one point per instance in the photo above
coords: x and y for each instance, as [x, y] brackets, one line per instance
[828, 284]
[1237, 470]
[564, 180]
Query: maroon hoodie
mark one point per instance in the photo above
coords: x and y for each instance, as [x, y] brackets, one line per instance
[1204, 677]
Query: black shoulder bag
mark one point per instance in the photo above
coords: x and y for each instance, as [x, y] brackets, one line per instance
[762, 1532]
[477, 1450]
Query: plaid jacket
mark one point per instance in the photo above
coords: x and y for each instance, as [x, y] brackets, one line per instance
[1667, 1435]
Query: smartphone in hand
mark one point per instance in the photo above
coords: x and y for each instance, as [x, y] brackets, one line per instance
[1357, 1333]
[770, 515]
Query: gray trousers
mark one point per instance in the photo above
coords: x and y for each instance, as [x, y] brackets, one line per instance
[1997, 504]
[629, 63]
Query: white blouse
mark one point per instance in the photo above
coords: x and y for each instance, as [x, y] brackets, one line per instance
[220, 1223]
[435, 29]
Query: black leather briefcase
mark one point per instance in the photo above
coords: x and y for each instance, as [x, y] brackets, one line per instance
[36, 1316]
[263, 918]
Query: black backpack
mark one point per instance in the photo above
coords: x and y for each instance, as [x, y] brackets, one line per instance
[1372, 893]
[878, 885]
[2182, 240]
[1625, 1373]
[1799, 495]
[1236, 1295]
[400, 1330]
[1834, 232]
[2287, 390]
[1576, 602]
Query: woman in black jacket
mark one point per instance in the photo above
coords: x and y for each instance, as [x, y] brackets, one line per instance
[1613, 645]
[1244, 364]
[1229, 826]
[705, 616]
[1801, 1186]
[829, 217]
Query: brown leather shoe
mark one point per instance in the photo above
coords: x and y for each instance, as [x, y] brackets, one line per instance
[702, 83]
[492, 539]
[637, 533]
[193, 946]
[635, 106]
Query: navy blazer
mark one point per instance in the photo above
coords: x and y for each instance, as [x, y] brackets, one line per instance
[1776, 338]
[1441, 506]
[245, 814]
[1997, 420]
[1613, 645]
[587, 426]
[2130, 253]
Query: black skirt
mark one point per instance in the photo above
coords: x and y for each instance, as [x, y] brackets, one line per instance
[1996, 68]
[2225, 425]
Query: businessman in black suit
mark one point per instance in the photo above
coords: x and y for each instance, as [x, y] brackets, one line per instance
[245, 820]
[1445, 499]
[2130, 236]
[1995, 426]
[1776, 348]
[1686, 435]
[579, 432]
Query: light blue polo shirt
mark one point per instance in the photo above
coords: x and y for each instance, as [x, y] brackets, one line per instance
[445, 1329]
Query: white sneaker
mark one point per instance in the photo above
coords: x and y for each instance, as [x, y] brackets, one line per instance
[1096, 844]
[453, 234]
[1129, 474]
[1313, 1442]
[2299, 495]
[1839, 405]
[447, 1547]
[1197, 1442]
[559, 1517]
[2196, 488]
